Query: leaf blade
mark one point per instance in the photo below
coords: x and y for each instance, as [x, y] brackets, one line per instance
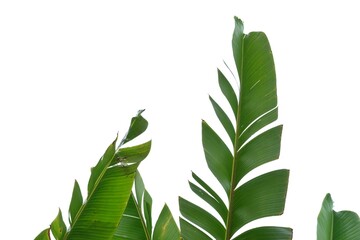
[165, 227]
[132, 154]
[58, 227]
[201, 218]
[343, 225]
[266, 233]
[99, 220]
[218, 156]
[109, 189]
[75, 203]
[262, 149]
[218, 206]
[262, 196]
[130, 226]
[190, 232]
[147, 212]
[256, 109]
[258, 84]
[228, 92]
[99, 170]
[208, 189]
[224, 119]
[138, 125]
[138, 212]
[325, 219]
[44, 235]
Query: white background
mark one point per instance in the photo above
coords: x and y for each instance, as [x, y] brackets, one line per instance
[73, 73]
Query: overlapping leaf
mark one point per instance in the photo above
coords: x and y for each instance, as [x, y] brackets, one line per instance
[254, 107]
[109, 189]
[332, 225]
[136, 223]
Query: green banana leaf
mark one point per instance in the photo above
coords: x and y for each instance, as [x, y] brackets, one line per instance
[44, 235]
[109, 189]
[254, 106]
[332, 225]
[136, 223]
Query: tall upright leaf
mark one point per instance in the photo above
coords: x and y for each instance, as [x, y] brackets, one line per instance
[109, 189]
[136, 223]
[254, 108]
[332, 225]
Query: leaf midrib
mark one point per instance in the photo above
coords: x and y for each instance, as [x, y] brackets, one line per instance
[96, 184]
[332, 225]
[236, 147]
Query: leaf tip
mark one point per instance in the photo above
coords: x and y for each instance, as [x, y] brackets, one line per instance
[328, 198]
[238, 20]
[140, 111]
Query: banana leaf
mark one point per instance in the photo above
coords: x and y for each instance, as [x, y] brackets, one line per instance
[136, 223]
[44, 235]
[254, 107]
[332, 225]
[109, 189]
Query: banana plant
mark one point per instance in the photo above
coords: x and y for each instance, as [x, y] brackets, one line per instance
[136, 223]
[254, 107]
[109, 189]
[343, 225]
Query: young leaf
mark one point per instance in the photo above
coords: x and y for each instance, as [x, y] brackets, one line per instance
[138, 125]
[58, 227]
[344, 225]
[75, 203]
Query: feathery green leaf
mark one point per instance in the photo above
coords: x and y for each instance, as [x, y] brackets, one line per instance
[252, 146]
